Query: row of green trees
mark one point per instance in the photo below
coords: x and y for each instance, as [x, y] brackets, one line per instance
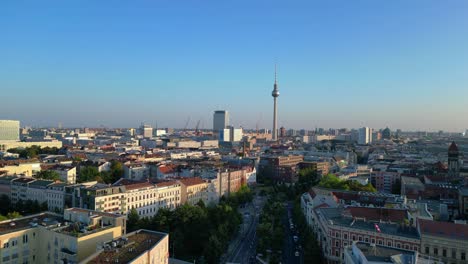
[34, 151]
[9, 210]
[198, 232]
[333, 182]
[311, 248]
[270, 230]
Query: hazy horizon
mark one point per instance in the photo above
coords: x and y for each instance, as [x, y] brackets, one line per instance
[400, 64]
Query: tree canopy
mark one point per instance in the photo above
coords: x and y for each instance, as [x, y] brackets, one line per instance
[197, 232]
[34, 151]
[48, 175]
[333, 182]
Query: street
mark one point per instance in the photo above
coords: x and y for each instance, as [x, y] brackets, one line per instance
[291, 247]
[243, 248]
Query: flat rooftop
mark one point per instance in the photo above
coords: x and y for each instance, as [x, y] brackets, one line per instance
[129, 247]
[43, 219]
[381, 253]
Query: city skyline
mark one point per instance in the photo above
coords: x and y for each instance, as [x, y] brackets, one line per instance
[395, 64]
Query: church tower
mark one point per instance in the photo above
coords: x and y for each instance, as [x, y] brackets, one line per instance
[453, 161]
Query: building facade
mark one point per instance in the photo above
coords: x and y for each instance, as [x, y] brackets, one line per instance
[9, 130]
[220, 120]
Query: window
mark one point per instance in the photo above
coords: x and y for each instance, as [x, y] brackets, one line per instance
[360, 238]
[6, 245]
[389, 243]
[436, 251]
[444, 252]
[427, 250]
[373, 240]
[454, 253]
[367, 240]
[337, 243]
[463, 256]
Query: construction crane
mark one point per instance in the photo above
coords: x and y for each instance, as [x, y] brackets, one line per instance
[196, 127]
[187, 123]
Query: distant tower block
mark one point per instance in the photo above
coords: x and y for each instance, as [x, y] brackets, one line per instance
[275, 95]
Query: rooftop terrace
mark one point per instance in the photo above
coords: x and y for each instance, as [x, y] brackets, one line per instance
[43, 219]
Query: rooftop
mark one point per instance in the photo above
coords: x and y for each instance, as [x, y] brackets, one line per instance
[383, 254]
[411, 181]
[132, 184]
[445, 229]
[377, 214]
[128, 248]
[191, 181]
[42, 183]
[165, 184]
[334, 216]
[43, 219]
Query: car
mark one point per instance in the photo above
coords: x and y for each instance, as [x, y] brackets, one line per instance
[296, 254]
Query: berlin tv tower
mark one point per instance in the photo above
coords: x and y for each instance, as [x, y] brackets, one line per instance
[275, 94]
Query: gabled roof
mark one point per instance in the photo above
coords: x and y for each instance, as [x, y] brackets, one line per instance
[165, 184]
[166, 169]
[132, 184]
[191, 181]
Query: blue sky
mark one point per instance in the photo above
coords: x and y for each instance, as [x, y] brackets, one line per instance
[402, 64]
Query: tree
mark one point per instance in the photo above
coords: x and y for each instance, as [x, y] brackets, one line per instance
[396, 187]
[44, 206]
[307, 179]
[5, 204]
[13, 215]
[48, 175]
[89, 173]
[132, 220]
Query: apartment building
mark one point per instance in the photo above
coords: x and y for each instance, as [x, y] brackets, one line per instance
[37, 190]
[54, 238]
[103, 198]
[140, 195]
[56, 197]
[280, 168]
[383, 181]
[193, 190]
[67, 173]
[141, 246]
[169, 194]
[19, 167]
[19, 189]
[321, 167]
[136, 171]
[337, 228]
[444, 240]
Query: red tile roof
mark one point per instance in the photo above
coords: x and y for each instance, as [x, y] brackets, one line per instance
[166, 183]
[133, 185]
[445, 229]
[166, 169]
[191, 181]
